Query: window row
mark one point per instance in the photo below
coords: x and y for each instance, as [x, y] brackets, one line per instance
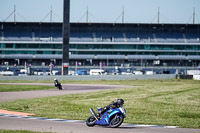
[32, 46]
[99, 53]
[134, 53]
[31, 52]
[102, 46]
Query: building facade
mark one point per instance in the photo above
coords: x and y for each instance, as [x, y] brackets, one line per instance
[105, 44]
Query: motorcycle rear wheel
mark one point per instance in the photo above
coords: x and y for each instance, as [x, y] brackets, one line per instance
[116, 121]
[90, 121]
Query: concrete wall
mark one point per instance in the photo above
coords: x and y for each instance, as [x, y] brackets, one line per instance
[88, 77]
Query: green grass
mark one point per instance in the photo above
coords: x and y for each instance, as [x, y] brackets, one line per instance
[158, 102]
[7, 88]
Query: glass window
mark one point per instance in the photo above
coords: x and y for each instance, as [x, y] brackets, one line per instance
[57, 46]
[45, 46]
[9, 45]
[58, 52]
[107, 46]
[73, 46]
[39, 52]
[47, 52]
[33, 45]
[21, 46]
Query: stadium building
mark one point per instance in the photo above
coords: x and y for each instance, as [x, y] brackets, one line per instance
[101, 44]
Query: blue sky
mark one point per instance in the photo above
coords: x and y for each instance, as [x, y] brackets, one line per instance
[136, 11]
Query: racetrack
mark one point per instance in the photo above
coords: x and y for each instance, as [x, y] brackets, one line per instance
[71, 127]
[67, 89]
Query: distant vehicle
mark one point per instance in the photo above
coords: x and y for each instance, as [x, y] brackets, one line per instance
[17, 72]
[126, 73]
[54, 72]
[149, 72]
[115, 73]
[36, 72]
[196, 77]
[7, 73]
[138, 72]
[41, 73]
[97, 72]
[23, 71]
[193, 72]
[166, 72]
[71, 73]
[82, 72]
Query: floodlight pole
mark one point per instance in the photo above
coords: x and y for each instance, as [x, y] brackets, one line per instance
[123, 15]
[51, 14]
[194, 15]
[66, 35]
[14, 13]
[158, 15]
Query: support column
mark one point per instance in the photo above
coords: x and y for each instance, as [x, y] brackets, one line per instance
[66, 35]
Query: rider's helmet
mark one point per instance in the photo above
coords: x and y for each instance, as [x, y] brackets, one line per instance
[55, 79]
[120, 102]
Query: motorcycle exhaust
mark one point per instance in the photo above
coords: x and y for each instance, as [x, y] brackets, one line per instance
[93, 113]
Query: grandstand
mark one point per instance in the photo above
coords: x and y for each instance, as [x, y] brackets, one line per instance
[108, 44]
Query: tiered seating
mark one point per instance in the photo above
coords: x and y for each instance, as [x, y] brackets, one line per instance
[81, 37]
[101, 36]
[109, 36]
[131, 37]
[17, 36]
[193, 37]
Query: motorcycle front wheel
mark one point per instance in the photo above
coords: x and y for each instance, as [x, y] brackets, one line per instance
[90, 121]
[116, 121]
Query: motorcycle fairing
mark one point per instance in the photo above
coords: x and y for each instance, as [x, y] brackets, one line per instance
[105, 118]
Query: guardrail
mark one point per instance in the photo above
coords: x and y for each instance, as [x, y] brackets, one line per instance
[88, 77]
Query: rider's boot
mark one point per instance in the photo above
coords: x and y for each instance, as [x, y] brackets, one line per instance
[98, 115]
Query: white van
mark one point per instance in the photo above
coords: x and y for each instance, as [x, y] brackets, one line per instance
[196, 77]
[97, 72]
[138, 72]
[7, 73]
[149, 72]
[193, 72]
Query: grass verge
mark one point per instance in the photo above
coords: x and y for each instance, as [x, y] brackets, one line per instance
[157, 102]
[8, 88]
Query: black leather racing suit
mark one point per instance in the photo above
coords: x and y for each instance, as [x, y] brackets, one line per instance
[112, 105]
[57, 84]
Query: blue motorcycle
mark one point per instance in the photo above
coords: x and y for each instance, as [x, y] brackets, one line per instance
[112, 118]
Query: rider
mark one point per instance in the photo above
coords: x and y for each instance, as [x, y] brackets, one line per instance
[57, 84]
[113, 105]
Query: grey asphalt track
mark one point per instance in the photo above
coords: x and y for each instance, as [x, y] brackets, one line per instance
[67, 89]
[70, 127]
